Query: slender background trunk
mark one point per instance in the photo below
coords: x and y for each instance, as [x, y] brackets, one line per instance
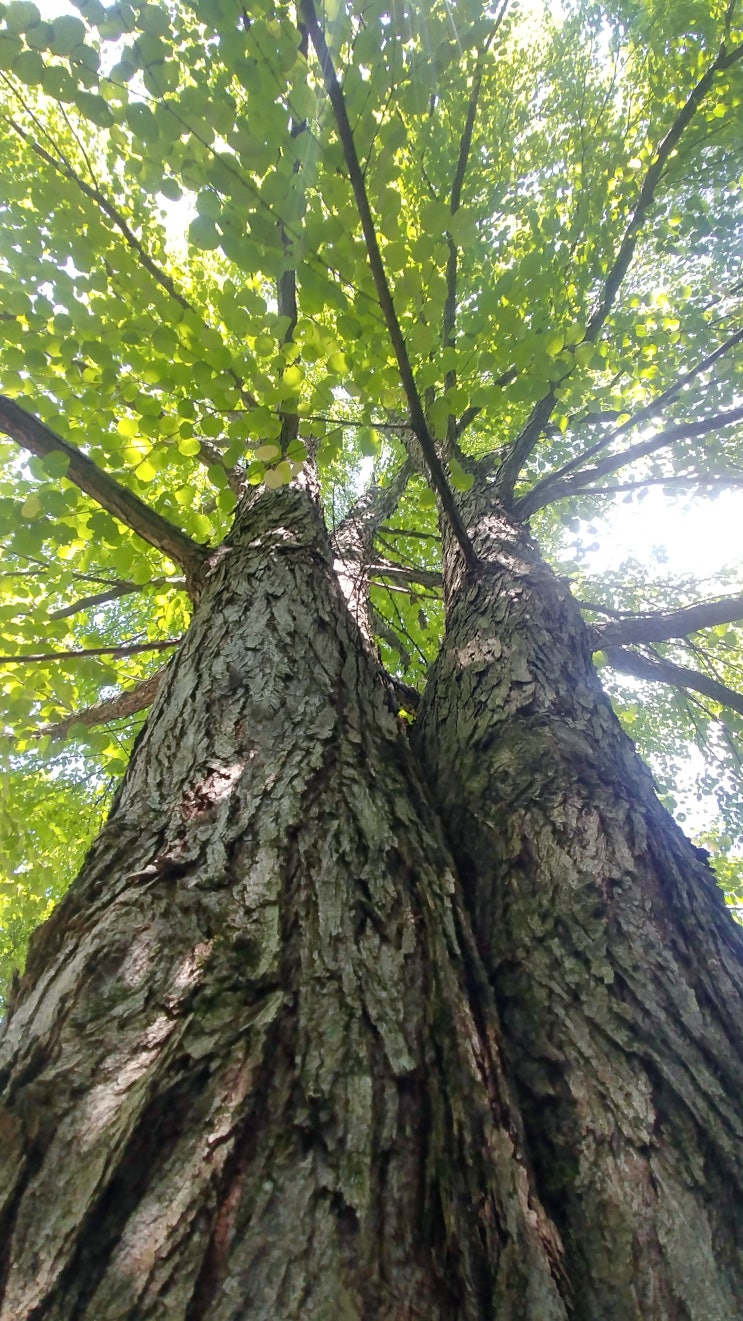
[617, 971]
[242, 1076]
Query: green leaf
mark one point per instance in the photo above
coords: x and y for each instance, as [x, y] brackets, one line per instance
[29, 67]
[31, 507]
[56, 463]
[67, 33]
[21, 15]
[460, 480]
[203, 233]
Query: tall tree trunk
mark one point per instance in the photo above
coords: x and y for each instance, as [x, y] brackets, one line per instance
[246, 1074]
[616, 969]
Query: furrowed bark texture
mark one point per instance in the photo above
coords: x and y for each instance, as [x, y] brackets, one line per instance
[616, 970]
[242, 1077]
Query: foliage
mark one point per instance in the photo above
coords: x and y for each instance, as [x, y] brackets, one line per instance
[173, 180]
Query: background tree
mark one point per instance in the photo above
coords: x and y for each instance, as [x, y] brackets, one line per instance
[307, 316]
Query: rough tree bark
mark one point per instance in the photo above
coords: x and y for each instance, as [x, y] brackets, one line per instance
[252, 1069]
[616, 969]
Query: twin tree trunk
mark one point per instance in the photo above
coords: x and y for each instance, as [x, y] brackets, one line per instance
[333, 1028]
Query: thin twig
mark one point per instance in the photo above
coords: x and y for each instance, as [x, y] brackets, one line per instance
[127, 649]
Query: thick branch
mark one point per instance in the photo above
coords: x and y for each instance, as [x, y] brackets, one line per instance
[660, 627]
[415, 405]
[38, 438]
[584, 478]
[378, 503]
[123, 704]
[523, 445]
[127, 649]
[353, 541]
[663, 671]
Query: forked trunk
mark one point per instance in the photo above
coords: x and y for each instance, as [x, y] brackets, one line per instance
[246, 1075]
[617, 972]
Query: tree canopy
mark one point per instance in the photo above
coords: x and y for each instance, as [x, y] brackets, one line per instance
[408, 244]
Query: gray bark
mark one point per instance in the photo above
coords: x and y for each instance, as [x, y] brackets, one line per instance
[617, 972]
[252, 1069]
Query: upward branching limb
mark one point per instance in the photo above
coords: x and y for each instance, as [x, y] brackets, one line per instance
[39, 439]
[533, 429]
[540, 493]
[63, 167]
[648, 190]
[455, 199]
[418, 421]
[373, 507]
[585, 479]
[353, 542]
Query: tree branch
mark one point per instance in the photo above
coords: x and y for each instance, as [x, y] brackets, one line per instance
[39, 439]
[415, 406]
[92, 191]
[660, 626]
[725, 60]
[663, 671]
[455, 199]
[718, 480]
[369, 512]
[387, 634]
[525, 442]
[95, 195]
[406, 573]
[101, 598]
[529, 436]
[353, 541]
[584, 478]
[533, 501]
[128, 649]
[124, 704]
[112, 594]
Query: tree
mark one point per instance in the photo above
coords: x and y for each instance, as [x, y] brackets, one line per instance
[388, 988]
